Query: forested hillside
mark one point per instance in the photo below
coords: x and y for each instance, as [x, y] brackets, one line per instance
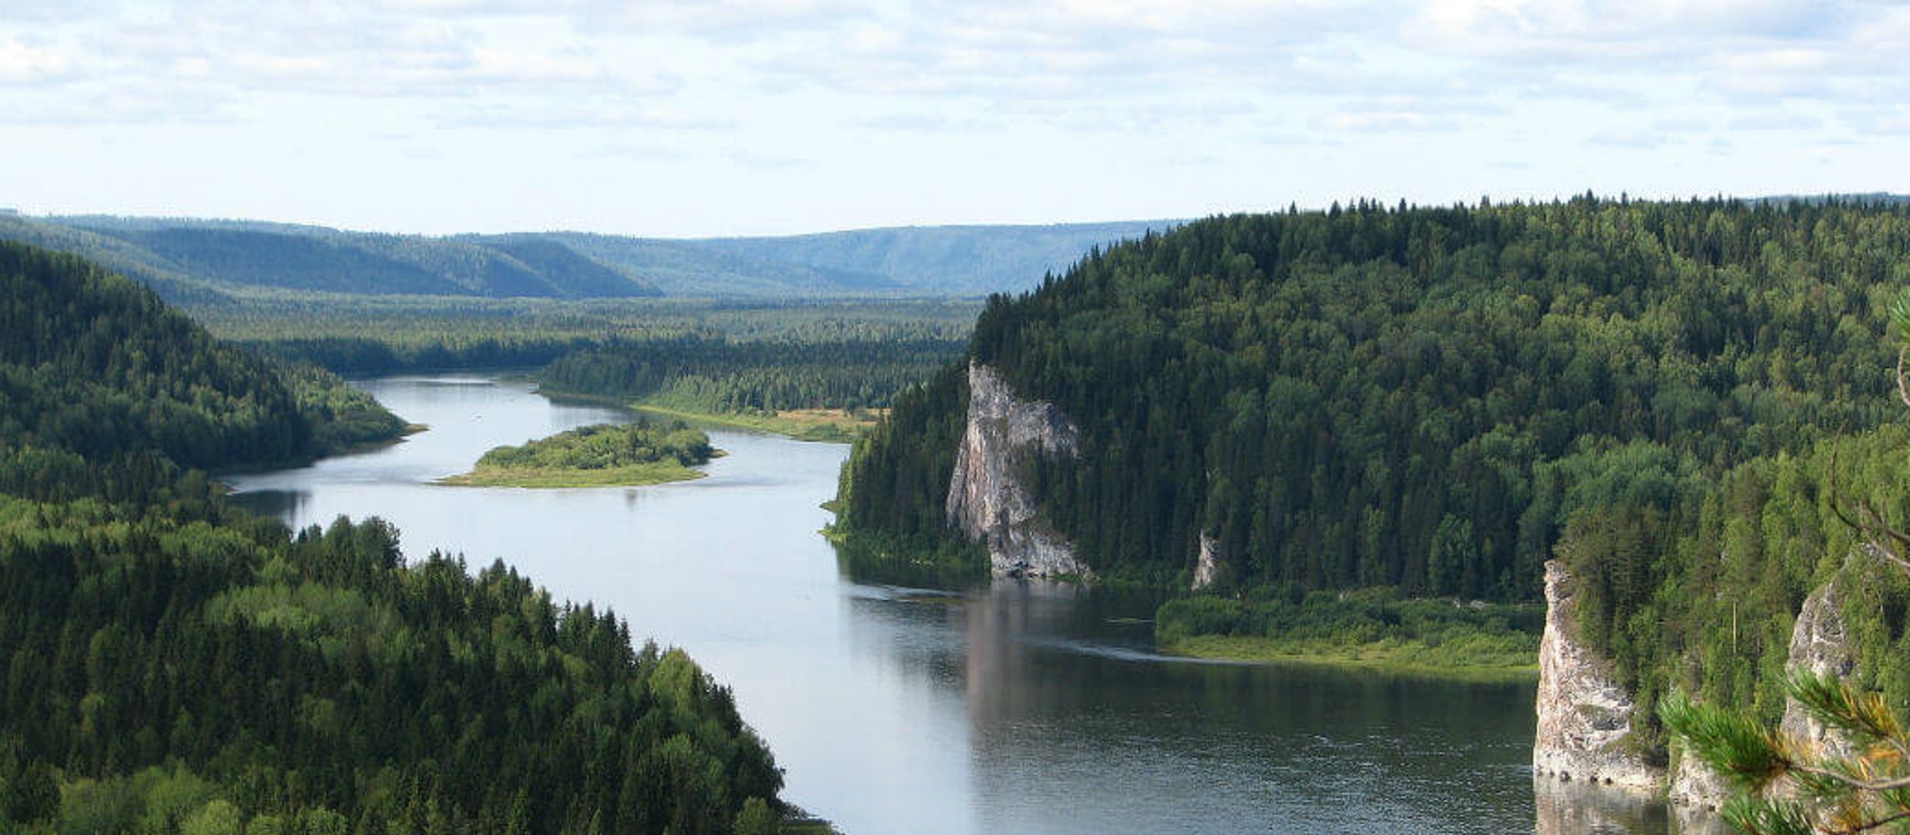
[213, 262]
[1426, 399]
[174, 664]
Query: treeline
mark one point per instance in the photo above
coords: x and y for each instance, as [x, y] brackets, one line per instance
[1422, 399]
[717, 374]
[176, 665]
[712, 357]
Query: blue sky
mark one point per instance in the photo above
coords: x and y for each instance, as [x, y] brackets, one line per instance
[709, 117]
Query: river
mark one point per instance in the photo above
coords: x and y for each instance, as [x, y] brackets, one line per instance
[1023, 708]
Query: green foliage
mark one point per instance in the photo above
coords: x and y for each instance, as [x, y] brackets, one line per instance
[407, 693]
[890, 499]
[723, 375]
[175, 665]
[1420, 398]
[96, 371]
[605, 454]
[342, 417]
[1791, 785]
[1367, 625]
[93, 364]
[606, 446]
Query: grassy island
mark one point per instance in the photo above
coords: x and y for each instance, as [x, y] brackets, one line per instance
[605, 455]
[1372, 628]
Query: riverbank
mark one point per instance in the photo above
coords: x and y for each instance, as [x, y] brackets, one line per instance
[824, 425]
[827, 425]
[1369, 628]
[635, 475]
[1483, 665]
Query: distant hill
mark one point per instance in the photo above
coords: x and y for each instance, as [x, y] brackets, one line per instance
[205, 262]
[946, 260]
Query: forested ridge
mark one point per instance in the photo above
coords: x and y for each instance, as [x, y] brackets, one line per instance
[221, 262]
[1416, 398]
[177, 665]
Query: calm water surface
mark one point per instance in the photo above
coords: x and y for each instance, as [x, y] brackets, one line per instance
[1026, 708]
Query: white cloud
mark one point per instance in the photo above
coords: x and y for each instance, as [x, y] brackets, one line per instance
[22, 63]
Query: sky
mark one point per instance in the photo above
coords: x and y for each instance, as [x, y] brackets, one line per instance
[719, 117]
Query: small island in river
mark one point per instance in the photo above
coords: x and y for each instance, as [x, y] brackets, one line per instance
[605, 455]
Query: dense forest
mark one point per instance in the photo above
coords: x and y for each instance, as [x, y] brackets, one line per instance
[722, 375]
[92, 365]
[1420, 398]
[1438, 400]
[176, 665]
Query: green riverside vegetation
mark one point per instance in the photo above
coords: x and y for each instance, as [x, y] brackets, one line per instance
[1437, 400]
[819, 371]
[595, 456]
[1366, 628]
[176, 665]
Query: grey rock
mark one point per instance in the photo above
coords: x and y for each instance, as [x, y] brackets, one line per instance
[986, 496]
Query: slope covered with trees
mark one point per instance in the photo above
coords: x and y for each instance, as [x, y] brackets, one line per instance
[221, 262]
[176, 665]
[217, 262]
[1427, 399]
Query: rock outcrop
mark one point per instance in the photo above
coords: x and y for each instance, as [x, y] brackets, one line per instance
[1584, 714]
[1820, 643]
[987, 498]
[1695, 785]
[1207, 569]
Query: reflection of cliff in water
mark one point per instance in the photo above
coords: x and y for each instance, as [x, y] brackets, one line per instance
[1577, 807]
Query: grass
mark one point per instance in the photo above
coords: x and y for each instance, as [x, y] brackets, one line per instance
[635, 475]
[1369, 628]
[1405, 657]
[830, 425]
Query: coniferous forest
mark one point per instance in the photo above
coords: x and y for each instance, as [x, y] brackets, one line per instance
[175, 664]
[1437, 400]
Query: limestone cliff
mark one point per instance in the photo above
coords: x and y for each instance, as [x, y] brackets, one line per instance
[1820, 644]
[1584, 714]
[986, 496]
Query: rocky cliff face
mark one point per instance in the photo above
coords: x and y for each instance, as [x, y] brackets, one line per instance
[1584, 715]
[1820, 644]
[986, 496]
[1207, 568]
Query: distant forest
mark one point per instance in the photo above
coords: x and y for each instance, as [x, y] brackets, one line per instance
[215, 263]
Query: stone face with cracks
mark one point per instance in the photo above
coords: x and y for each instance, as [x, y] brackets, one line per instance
[1584, 714]
[986, 496]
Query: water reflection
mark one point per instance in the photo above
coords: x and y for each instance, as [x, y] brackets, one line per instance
[1018, 707]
